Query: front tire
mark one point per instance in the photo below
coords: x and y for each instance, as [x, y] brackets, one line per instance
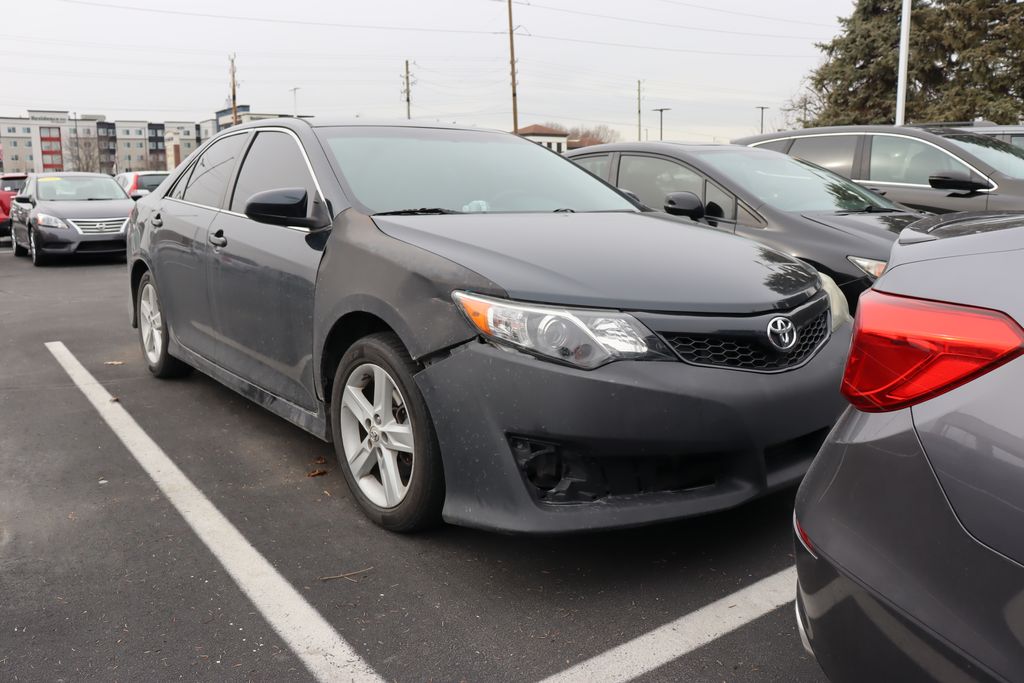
[19, 250]
[384, 437]
[154, 332]
[38, 259]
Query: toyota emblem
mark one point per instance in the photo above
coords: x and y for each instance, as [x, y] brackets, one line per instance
[782, 333]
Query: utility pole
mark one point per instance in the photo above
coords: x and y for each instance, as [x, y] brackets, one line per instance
[407, 92]
[512, 61]
[295, 100]
[762, 116]
[234, 94]
[901, 80]
[661, 121]
[78, 144]
[638, 115]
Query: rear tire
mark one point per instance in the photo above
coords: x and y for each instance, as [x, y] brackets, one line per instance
[154, 332]
[384, 437]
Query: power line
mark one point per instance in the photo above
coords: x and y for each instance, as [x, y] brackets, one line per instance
[648, 22]
[268, 20]
[653, 47]
[745, 14]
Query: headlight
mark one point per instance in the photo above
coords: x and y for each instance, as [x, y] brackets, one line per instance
[580, 337]
[837, 302]
[48, 221]
[872, 267]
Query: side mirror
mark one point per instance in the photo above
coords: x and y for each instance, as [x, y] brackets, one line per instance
[684, 204]
[285, 206]
[957, 180]
[139, 194]
[22, 199]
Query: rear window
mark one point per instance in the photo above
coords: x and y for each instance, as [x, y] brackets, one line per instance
[12, 184]
[150, 181]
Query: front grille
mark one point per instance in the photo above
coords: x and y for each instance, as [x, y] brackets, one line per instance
[749, 352]
[97, 226]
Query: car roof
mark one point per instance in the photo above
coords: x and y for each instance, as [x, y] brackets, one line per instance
[294, 123]
[913, 131]
[72, 174]
[147, 172]
[670, 148]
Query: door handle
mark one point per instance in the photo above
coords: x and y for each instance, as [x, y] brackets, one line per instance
[156, 222]
[218, 239]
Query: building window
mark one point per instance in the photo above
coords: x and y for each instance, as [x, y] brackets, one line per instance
[14, 157]
[125, 131]
[138, 131]
[152, 145]
[28, 143]
[12, 129]
[30, 157]
[140, 145]
[14, 143]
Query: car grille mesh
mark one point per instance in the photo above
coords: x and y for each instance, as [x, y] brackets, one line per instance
[94, 226]
[747, 353]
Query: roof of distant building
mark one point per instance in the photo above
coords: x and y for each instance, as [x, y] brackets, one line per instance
[537, 129]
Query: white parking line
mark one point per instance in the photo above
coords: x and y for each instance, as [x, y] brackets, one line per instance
[325, 653]
[684, 635]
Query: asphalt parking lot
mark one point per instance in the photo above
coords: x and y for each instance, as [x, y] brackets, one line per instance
[104, 575]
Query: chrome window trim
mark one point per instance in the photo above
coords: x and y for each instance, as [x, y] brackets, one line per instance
[995, 185]
[258, 129]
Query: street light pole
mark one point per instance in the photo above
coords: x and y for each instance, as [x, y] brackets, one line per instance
[901, 81]
[762, 116]
[661, 120]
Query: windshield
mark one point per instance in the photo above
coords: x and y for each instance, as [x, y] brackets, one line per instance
[12, 184]
[1002, 157]
[789, 184]
[78, 188]
[150, 181]
[397, 169]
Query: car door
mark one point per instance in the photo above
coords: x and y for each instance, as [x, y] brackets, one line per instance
[179, 246]
[262, 276]
[901, 165]
[19, 210]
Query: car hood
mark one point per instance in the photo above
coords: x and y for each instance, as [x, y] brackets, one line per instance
[628, 261]
[106, 208]
[887, 225]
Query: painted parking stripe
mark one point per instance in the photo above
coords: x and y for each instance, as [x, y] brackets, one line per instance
[325, 653]
[684, 635]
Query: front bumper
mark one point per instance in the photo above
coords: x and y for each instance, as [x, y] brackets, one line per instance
[66, 241]
[530, 446]
[899, 591]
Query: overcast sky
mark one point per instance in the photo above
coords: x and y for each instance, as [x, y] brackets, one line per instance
[711, 61]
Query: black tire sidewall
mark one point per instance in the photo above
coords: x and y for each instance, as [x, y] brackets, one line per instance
[421, 506]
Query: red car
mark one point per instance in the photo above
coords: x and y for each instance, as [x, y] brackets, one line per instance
[10, 185]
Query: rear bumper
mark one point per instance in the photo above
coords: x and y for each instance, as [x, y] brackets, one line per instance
[535, 447]
[66, 241]
[898, 590]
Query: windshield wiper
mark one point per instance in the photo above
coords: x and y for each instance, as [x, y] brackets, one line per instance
[869, 208]
[416, 212]
[564, 211]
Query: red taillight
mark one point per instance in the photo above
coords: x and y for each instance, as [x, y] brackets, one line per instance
[802, 536]
[906, 350]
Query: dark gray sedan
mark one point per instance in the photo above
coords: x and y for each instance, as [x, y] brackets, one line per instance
[489, 334]
[909, 521]
[69, 213]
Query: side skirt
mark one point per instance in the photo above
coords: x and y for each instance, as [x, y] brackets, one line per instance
[316, 423]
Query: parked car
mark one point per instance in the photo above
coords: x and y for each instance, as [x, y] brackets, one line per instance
[69, 213]
[137, 183]
[934, 169]
[909, 552]
[1011, 134]
[10, 185]
[820, 217]
[487, 332]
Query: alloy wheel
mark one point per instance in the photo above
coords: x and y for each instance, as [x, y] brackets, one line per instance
[151, 326]
[377, 435]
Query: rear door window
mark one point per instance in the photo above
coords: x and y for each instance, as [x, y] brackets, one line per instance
[834, 152]
[209, 177]
[596, 164]
[909, 161]
[652, 178]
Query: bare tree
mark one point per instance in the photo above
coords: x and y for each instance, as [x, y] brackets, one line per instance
[588, 135]
[83, 153]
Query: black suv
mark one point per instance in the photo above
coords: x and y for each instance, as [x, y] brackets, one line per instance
[487, 331]
[937, 169]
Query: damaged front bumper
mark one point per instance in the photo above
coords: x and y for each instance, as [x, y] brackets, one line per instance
[531, 446]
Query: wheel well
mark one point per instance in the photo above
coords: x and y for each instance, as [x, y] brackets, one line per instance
[347, 331]
[139, 268]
